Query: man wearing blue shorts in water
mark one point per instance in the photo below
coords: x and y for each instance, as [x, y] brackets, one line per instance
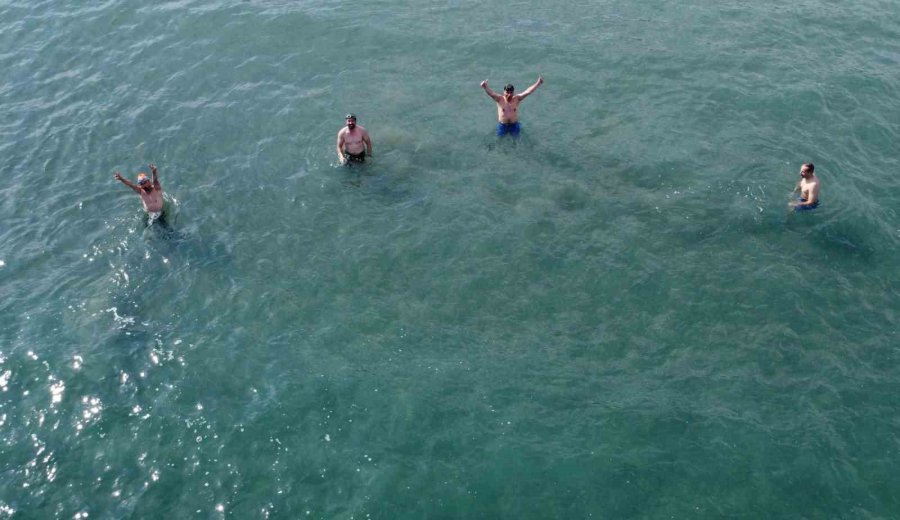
[508, 106]
[808, 187]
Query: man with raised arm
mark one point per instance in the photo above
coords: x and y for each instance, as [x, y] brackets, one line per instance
[353, 142]
[508, 106]
[808, 188]
[150, 191]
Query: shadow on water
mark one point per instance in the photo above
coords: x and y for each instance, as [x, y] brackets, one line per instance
[380, 181]
[505, 144]
[835, 234]
[844, 239]
[533, 151]
[354, 175]
[571, 197]
[167, 234]
[155, 260]
[161, 226]
[519, 145]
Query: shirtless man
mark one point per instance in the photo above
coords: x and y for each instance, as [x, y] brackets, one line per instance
[151, 192]
[353, 142]
[808, 187]
[508, 106]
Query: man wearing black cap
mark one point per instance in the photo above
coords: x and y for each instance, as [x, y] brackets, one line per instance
[508, 106]
[353, 142]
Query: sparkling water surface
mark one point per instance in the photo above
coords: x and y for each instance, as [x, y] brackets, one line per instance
[614, 316]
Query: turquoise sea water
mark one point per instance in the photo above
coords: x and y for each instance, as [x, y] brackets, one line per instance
[613, 317]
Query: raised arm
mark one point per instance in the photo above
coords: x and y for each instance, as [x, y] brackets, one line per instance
[489, 92]
[527, 92]
[155, 175]
[126, 182]
[340, 147]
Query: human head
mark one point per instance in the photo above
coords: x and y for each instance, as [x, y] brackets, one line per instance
[351, 121]
[144, 181]
[509, 89]
[807, 169]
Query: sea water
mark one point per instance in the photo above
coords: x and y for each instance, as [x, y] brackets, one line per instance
[614, 316]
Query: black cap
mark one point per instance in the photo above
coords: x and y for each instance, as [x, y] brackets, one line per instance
[351, 116]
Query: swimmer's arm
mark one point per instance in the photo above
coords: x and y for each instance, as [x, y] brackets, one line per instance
[126, 182]
[340, 147]
[794, 203]
[155, 175]
[489, 92]
[368, 141]
[527, 92]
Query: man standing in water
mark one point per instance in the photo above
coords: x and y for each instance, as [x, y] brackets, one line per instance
[150, 191]
[808, 187]
[353, 142]
[508, 106]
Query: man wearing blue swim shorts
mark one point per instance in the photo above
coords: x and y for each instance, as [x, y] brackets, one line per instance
[508, 106]
[808, 188]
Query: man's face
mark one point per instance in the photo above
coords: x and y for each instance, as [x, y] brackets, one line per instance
[508, 94]
[804, 172]
[146, 185]
[351, 123]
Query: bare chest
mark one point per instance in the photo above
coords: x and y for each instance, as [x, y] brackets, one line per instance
[152, 201]
[510, 105]
[353, 138]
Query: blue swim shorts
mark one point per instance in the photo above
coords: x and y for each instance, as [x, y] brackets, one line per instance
[805, 208]
[508, 128]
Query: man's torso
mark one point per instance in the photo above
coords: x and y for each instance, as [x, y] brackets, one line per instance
[353, 140]
[807, 186]
[152, 201]
[508, 111]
